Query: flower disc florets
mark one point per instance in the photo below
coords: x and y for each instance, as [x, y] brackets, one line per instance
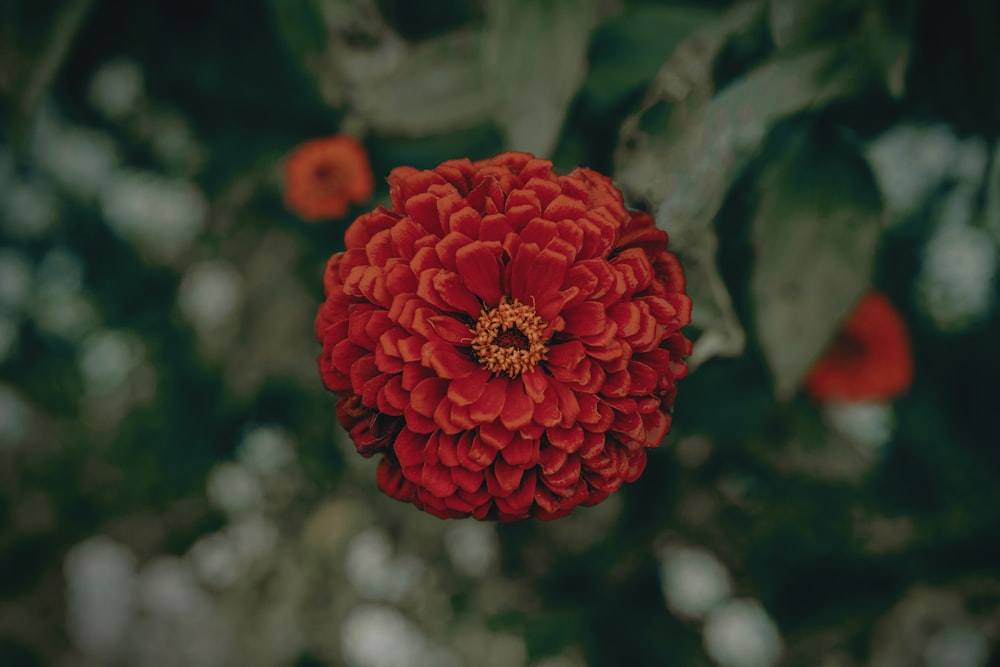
[507, 338]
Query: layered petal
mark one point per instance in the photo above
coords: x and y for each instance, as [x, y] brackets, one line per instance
[508, 339]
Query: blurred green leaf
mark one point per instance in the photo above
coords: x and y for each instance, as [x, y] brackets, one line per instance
[688, 168]
[814, 235]
[991, 208]
[888, 44]
[435, 86]
[297, 21]
[628, 49]
[677, 96]
[534, 58]
[393, 86]
[654, 154]
[520, 70]
[793, 22]
[33, 54]
[685, 169]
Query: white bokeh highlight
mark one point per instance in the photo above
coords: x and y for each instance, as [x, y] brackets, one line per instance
[957, 646]
[373, 570]
[160, 214]
[233, 490]
[266, 450]
[909, 162]
[693, 581]
[116, 88]
[472, 547]
[100, 596]
[867, 425]
[28, 209]
[107, 358]
[375, 635]
[15, 417]
[956, 284]
[80, 160]
[210, 294]
[739, 633]
[16, 280]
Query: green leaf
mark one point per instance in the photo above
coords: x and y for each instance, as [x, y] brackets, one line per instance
[888, 43]
[392, 86]
[628, 49]
[814, 236]
[695, 161]
[521, 69]
[534, 61]
[797, 22]
[301, 25]
[684, 168]
[681, 91]
[434, 86]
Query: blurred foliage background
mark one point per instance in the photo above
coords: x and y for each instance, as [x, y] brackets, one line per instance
[174, 491]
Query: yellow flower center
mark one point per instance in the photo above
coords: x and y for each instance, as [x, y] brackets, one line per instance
[508, 338]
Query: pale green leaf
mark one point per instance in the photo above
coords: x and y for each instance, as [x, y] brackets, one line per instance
[889, 46]
[534, 61]
[627, 50]
[814, 236]
[685, 168]
[797, 22]
[697, 168]
[681, 90]
[430, 87]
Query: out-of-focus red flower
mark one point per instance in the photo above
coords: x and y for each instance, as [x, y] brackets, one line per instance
[871, 358]
[507, 338]
[324, 176]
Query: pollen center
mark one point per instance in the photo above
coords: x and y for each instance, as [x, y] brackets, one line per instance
[509, 338]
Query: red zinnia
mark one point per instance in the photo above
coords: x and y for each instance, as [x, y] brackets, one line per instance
[871, 358]
[506, 337]
[324, 176]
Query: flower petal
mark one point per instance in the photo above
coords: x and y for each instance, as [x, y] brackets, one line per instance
[437, 479]
[503, 478]
[467, 480]
[566, 476]
[428, 395]
[468, 388]
[472, 453]
[535, 384]
[521, 452]
[517, 407]
[585, 319]
[551, 459]
[568, 440]
[490, 404]
[495, 435]
[446, 361]
[422, 208]
[518, 502]
[390, 480]
[409, 447]
[479, 267]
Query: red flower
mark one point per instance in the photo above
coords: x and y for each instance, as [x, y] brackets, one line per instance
[871, 358]
[324, 176]
[506, 337]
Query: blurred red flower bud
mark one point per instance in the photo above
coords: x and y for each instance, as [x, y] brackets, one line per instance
[325, 176]
[871, 358]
